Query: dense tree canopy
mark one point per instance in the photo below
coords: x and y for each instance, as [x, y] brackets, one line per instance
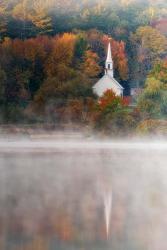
[52, 52]
[153, 101]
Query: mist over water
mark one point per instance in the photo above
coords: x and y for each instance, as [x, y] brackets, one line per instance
[82, 194]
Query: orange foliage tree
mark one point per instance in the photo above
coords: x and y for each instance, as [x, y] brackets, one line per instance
[90, 66]
[61, 56]
[110, 101]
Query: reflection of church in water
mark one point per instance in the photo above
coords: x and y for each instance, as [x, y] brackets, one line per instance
[108, 81]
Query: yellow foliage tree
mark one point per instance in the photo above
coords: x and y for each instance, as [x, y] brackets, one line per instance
[152, 40]
[62, 54]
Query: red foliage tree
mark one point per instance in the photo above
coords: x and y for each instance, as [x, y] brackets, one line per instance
[110, 101]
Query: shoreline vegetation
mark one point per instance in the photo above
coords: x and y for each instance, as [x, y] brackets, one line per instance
[148, 129]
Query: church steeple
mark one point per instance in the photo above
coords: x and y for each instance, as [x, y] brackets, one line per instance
[109, 62]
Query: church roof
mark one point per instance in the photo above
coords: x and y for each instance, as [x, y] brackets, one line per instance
[105, 83]
[108, 81]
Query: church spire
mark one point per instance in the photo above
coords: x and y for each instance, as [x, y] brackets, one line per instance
[109, 57]
[109, 62]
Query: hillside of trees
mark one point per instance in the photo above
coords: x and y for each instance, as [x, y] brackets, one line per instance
[52, 52]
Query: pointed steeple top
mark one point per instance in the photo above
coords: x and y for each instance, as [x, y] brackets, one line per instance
[109, 54]
[109, 62]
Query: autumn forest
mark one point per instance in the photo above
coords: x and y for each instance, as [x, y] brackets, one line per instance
[52, 52]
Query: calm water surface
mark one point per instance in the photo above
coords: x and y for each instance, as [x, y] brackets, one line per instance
[52, 196]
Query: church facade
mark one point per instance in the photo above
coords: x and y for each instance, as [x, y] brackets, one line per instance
[108, 81]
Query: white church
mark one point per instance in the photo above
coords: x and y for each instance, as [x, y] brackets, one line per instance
[108, 81]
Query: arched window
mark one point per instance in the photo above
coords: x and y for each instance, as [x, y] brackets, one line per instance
[108, 66]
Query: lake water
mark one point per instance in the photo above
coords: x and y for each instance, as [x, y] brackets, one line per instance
[85, 195]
